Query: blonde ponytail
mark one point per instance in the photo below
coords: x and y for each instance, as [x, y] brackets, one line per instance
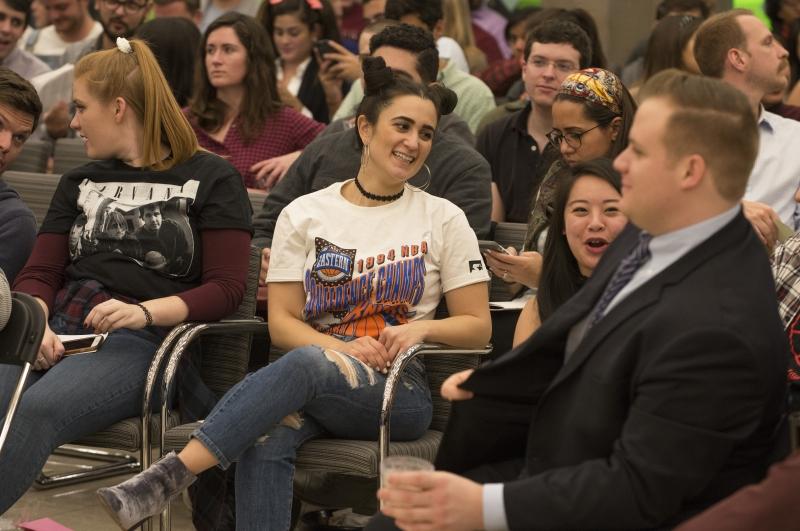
[137, 78]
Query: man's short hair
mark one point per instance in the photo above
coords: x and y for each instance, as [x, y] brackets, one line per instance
[192, 6]
[18, 94]
[710, 118]
[667, 7]
[415, 40]
[715, 37]
[558, 31]
[429, 11]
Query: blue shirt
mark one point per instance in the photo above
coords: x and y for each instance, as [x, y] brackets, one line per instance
[776, 173]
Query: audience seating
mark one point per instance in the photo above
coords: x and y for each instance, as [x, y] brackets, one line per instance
[33, 156]
[226, 356]
[69, 153]
[19, 345]
[343, 473]
[224, 362]
[36, 189]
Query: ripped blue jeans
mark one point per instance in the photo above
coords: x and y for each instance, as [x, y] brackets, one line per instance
[307, 393]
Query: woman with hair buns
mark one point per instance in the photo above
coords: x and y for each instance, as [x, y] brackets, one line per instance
[146, 155]
[592, 115]
[345, 302]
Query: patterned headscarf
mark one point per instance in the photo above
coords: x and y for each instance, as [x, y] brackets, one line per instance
[595, 85]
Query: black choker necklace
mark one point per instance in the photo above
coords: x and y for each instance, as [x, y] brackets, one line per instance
[375, 197]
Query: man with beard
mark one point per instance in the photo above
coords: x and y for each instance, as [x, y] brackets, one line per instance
[119, 18]
[70, 23]
[738, 48]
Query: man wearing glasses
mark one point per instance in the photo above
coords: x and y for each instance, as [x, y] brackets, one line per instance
[118, 18]
[70, 23]
[516, 145]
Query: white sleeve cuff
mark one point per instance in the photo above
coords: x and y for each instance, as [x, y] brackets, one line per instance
[494, 509]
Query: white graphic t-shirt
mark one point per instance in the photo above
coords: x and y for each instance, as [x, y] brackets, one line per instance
[365, 268]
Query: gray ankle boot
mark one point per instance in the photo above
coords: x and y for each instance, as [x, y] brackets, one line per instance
[146, 494]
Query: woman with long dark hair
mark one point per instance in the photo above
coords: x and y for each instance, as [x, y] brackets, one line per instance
[236, 110]
[584, 221]
[304, 80]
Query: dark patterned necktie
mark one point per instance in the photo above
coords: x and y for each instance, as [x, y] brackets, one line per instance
[627, 268]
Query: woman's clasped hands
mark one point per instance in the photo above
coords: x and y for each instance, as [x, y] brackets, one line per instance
[380, 353]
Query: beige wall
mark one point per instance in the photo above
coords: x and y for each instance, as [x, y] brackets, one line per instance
[621, 23]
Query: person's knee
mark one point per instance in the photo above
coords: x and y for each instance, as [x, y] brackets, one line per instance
[280, 442]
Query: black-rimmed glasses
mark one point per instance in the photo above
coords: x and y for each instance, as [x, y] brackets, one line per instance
[572, 139]
[128, 6]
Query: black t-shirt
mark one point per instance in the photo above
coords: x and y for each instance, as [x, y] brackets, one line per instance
[518, 164]
[137, 231]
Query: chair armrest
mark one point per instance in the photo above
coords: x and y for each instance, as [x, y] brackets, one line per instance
[191, 332]
[393, 378]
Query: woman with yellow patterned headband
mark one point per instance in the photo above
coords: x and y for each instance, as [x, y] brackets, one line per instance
[592, 114]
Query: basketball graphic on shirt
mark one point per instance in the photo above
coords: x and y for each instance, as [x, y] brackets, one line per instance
[369, 319]
[333, 265]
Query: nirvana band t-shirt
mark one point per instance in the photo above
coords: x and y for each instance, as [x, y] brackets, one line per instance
[137, 231]
[364, 268]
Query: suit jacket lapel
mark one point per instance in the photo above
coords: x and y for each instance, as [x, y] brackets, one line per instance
[650, 293]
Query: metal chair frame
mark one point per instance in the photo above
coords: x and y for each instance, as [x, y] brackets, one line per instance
[191, 333]
[116, 462]
[392, 381]
[19, 345]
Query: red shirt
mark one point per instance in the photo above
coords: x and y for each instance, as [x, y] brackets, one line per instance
[284, 132]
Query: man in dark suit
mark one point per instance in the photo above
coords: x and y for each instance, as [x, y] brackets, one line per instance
[659, 388]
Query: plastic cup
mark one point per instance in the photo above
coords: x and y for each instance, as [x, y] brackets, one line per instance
[403, 463]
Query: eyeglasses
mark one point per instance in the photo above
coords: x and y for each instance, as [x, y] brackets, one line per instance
[573, 140]
[564, 67]
[129, 6]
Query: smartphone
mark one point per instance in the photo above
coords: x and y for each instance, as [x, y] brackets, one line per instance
[488, 245]
[82, 345]
[324, 47]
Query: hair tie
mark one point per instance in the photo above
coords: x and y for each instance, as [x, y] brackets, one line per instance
[124, 45]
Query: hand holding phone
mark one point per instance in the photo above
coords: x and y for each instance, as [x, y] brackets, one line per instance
[323, 47]
[82, 344]
[488, 245]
